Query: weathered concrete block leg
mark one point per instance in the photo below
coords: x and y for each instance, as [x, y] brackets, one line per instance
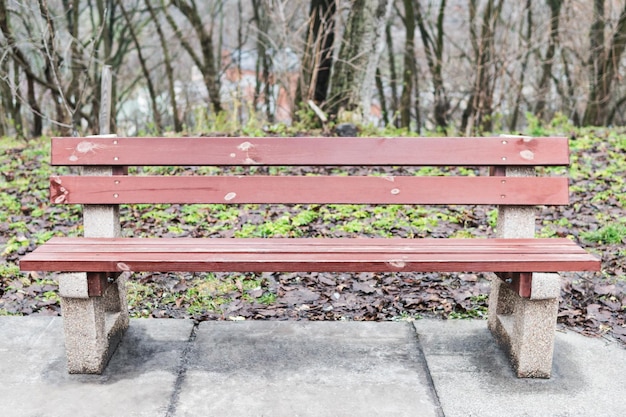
[93, 326]
[534, 329]
[525, 327]
[501, 299]
[501, 306]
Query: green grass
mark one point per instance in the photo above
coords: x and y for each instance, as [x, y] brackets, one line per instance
[14, 244]
[4, 312]
[610, 234]
[477, 309]
[203, 293]
[405, 316]
[8, 271]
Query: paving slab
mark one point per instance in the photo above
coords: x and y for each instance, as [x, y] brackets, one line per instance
[173, 368]
[139, 381]
[306, 369]
[472, 376]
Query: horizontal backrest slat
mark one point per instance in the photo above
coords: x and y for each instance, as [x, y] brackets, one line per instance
[309, 190]
[472, 151]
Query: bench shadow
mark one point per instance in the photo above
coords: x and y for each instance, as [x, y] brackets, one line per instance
[496, 373]
[138, 356]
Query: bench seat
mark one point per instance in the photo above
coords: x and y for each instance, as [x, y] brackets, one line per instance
[309, 255]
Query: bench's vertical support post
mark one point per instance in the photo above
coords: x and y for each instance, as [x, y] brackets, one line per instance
[94, 325]
[524, 326]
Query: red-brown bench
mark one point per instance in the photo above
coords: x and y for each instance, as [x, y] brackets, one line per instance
[524, 299]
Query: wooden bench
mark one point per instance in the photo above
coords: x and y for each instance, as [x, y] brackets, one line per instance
[524, 299]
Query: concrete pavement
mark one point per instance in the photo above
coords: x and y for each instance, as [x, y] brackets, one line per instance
[174, 368]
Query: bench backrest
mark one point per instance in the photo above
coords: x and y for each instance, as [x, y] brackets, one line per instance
[495, 152]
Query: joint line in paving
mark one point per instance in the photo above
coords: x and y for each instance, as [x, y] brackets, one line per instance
[421, 358]
[182, 372]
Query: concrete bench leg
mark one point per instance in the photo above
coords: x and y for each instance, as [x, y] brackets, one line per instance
[525, 327]
[93, 326]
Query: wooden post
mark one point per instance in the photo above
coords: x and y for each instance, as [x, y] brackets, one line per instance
[106, 100]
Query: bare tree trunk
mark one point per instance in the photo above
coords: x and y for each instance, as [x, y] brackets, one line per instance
[240, 43]
[417, 103]
[156, 114]
[596, 59]
[6, 95]
[51, 62]
[317, 60]
[18, 120]
[169, 69]
[526, 40]
[570, 96]
[605, 66]
[393, 77]
[381, 97]
[408, 71]
[208, 64]
[23, 63]
[73, 93]
[355, 71]
[3, 111]
[548, 60]
[477, 114]
[615, 112]
[37, 128]
[263, 63]
[433, 47]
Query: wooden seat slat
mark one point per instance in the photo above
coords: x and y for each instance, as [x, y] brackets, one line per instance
[322, 245]
[309, 190]
[311, 151]
[210, 255]
[256, 263]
